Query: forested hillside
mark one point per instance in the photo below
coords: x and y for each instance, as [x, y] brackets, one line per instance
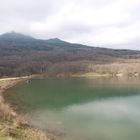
[24, 55]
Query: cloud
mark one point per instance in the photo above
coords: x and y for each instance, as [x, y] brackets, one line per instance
[94, 22]
[112, 109]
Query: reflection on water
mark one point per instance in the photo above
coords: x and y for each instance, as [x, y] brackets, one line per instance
[82, 109]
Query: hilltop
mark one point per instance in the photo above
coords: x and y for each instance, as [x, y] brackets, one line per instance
[24, 55]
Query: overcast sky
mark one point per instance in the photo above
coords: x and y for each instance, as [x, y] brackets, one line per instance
[106, 23]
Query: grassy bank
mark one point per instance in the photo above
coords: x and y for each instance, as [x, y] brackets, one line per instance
[12, 125]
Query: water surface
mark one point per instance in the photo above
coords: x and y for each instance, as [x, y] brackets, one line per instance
[81, 109]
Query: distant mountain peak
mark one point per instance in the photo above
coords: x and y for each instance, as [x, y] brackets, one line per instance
[56, 40]
[14, 35]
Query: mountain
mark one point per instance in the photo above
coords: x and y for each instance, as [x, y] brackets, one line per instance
[15, 36]
[56, 41]
[22, 54]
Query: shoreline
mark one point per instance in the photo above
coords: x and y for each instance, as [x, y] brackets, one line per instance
[12, 125]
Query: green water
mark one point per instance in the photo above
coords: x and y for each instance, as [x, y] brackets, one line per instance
[81, 109]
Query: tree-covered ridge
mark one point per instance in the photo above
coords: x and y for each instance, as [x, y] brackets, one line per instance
[22, 55]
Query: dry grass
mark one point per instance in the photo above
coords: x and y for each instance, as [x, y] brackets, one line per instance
[13, 126]
[5, 111]
[91, 74]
